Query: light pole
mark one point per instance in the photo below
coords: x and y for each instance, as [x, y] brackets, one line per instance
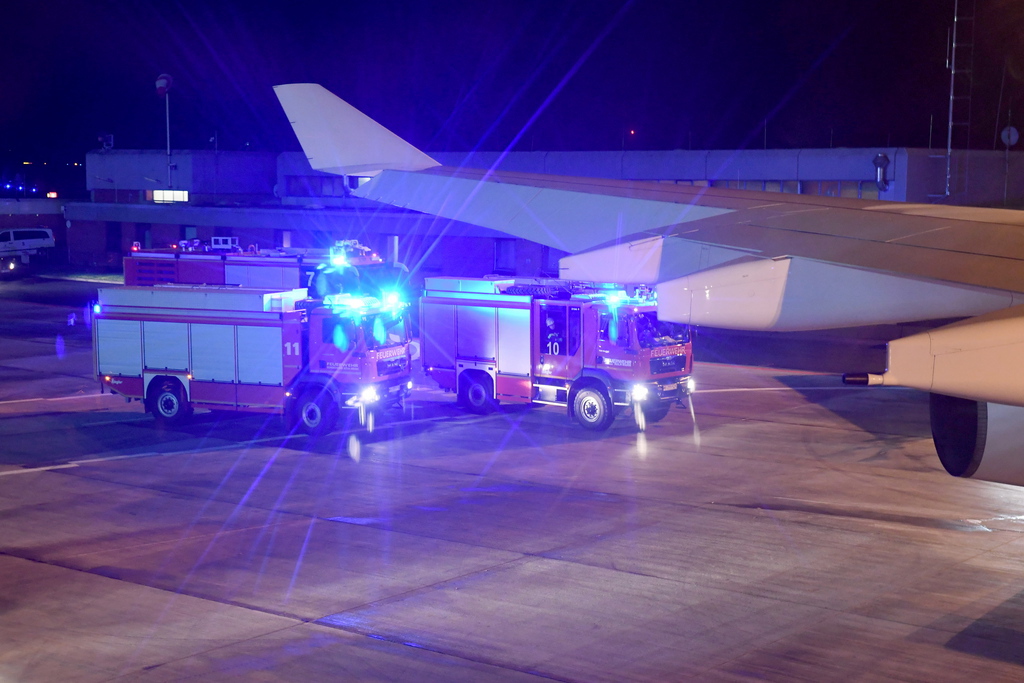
[163, 84]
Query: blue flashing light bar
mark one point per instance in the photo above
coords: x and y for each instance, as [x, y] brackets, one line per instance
[618, 298]
[349, 301]
[350, 304]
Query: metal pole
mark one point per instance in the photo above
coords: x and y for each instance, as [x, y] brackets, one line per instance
[952, 83]
[999, 107]
[1006, 158]
[167, 109]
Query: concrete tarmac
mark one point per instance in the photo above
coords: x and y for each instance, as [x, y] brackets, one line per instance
[803, 531]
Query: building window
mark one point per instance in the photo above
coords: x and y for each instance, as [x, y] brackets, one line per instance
[829, 188]
[505, 256]
[549, 264]
[315, 186]
[167, 196]
[113, 230]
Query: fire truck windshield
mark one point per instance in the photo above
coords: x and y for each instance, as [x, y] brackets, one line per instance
[384, 330]
[341, 332]
[651, 332]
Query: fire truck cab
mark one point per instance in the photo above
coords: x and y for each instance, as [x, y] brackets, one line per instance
[594, 348]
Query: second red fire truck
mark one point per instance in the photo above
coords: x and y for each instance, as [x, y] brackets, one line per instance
[307, 354]
[592, 348]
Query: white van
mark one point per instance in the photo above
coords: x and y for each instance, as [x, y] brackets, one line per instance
[18, 244]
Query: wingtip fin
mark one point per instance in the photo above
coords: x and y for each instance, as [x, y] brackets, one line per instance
[338, 138]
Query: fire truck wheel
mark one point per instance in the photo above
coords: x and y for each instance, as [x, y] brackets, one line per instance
[167, 403]
[657, 412]
[593, 409]
[476, 393]
[315, 412]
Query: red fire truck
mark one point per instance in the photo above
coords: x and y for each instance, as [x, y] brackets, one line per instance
[593, 348]
[224, 263]
[177, 347]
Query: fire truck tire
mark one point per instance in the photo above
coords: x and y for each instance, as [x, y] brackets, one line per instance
[316, 413]
[657, 412]
[592, 408]
[476, 393]
[168, 404]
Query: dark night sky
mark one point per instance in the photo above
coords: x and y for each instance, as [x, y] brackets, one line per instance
[488, 74]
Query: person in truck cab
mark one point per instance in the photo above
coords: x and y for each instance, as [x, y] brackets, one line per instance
[554, 339]
[645, 332]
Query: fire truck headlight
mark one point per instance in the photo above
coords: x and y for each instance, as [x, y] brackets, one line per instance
[639, 392]
[691, 386]
[369, 395]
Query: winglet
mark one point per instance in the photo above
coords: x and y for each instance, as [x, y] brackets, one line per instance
[338, 138]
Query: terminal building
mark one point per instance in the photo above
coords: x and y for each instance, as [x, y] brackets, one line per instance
[269, 200]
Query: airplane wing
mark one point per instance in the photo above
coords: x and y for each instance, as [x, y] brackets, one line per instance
[750, 260]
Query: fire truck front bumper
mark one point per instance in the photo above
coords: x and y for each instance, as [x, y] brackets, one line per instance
[662, 390]
[380, 394]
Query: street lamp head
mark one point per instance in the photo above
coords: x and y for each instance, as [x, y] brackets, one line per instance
[163, 84]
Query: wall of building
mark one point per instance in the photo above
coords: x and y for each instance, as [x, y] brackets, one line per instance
[278, 200]
[914, 175]
[125, 175]
[781, 170]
